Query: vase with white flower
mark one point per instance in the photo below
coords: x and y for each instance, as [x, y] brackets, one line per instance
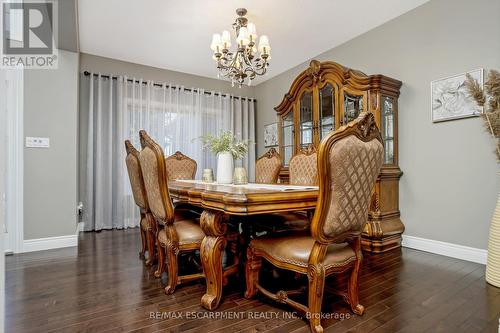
[227, 148]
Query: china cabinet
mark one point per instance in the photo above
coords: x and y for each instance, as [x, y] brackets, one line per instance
[327, 96]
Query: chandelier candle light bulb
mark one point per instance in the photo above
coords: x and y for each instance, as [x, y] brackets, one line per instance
[243, 37]
[226, 39]
[248, 60]
[264, 47]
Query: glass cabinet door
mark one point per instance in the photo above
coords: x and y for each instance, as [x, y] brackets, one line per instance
[306, 119]
[326, 110]
[387, 115]
[287, 137]
[353, 106]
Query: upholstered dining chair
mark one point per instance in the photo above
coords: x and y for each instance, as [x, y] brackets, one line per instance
[303, 167]
[175, 235]
[267, 167]
[179, 232]
[180, 166]
[349, 162]
[147, 223]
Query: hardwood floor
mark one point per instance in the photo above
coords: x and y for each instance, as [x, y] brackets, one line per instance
[104, 286]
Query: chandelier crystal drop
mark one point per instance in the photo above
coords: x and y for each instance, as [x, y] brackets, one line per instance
[248, 60]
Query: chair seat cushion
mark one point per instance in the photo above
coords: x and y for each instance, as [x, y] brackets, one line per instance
[188, 231]
[295, 247]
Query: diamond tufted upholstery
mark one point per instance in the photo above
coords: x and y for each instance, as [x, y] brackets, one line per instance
[354, 167]
[267, 167]
[179, 166]
[150, 170]
[303, 168]
[135, 177]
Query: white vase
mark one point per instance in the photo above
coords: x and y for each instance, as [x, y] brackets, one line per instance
[225, 165]
[493, 263]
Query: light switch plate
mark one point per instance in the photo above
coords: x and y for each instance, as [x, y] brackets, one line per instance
[32, 142]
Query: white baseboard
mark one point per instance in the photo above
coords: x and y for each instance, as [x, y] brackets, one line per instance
[446, 249]
[81, 226]
[49, 243]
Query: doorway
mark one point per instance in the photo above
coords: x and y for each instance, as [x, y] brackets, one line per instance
[11, 189]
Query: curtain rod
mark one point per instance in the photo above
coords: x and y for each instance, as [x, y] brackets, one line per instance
[87, 73]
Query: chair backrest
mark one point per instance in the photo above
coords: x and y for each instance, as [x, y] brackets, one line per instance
[179, 166]
[135, 176]
[349, 162]
[303, 167]
[154, 174]
[267, 167]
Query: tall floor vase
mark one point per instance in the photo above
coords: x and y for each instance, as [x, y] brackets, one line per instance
[493, 263]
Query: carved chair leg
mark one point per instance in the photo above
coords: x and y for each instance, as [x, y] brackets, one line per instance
[172, 269]
[316, 276]
[161, 258]
[143, 243]
[150, 237]
[252, 269]
[352, 291]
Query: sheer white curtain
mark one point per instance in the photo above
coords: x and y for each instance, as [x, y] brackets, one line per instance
[175, 117]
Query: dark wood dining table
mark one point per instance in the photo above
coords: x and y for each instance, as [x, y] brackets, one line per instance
[220, 201]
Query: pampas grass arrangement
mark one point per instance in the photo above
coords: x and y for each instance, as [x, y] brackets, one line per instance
[489, 99]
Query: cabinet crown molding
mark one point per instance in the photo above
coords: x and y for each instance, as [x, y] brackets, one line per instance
[318, 72]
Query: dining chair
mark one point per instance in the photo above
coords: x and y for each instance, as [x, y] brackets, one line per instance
[175, 236]
[349, 162]
[303, 167]
[178, 232]
[180, 166]
[267, 167]
[147, 223]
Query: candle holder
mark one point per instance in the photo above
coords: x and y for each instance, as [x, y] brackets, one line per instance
[207, 176]
[240, 176]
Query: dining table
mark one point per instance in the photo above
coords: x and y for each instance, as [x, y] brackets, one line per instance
[222, 201]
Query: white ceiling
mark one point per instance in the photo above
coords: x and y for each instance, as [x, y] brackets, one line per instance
[176, 35]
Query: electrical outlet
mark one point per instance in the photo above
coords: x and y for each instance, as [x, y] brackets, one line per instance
[33, 142]
[79, 209]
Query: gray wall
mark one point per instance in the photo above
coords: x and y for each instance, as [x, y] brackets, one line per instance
[449, 187]
[50, 175]
[97, 64]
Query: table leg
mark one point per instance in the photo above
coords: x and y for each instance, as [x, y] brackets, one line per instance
[212, 248]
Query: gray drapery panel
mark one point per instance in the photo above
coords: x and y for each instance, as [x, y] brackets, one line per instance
[112, 111]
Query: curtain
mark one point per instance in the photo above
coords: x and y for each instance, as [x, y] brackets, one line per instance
[114, 110]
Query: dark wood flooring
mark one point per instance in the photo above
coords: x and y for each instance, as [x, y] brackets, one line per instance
[104, 287]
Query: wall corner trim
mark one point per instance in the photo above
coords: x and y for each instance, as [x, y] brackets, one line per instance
[446, 249]
[49, 243]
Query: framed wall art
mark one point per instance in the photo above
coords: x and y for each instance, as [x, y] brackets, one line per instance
[450, 98]
[271, 135]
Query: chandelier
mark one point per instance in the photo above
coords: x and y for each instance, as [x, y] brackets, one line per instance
[248, 60]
